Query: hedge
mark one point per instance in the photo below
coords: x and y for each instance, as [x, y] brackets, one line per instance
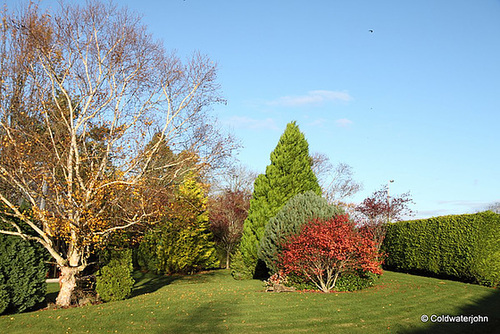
[465, 247]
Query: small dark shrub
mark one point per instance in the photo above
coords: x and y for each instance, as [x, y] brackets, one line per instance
[355, 281]
[114, 280]
[85, 291]
[145, 254]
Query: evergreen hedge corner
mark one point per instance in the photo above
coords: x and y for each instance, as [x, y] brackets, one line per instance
[486, 267]
[23, 272]
[466, 247]
[299, 210]
[289, 174]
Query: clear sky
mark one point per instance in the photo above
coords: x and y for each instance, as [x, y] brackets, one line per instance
[417, 100]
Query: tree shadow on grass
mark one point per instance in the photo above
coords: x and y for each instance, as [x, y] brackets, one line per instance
[51, 297]
[209, 317]
[488, 306]
[149, 282]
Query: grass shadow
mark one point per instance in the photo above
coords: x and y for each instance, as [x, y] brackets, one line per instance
[201, 277]
[146, 282]
[51, 297]
[209, 317]
[488, 306]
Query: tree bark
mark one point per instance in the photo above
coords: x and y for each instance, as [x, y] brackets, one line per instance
[67, 285]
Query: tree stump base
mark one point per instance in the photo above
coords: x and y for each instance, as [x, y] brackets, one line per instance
[280, 288]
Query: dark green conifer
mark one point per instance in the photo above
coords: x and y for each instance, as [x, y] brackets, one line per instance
[22, 273]
[288, 174]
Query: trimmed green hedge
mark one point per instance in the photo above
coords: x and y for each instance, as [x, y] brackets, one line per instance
[466, 247]
[346, 282]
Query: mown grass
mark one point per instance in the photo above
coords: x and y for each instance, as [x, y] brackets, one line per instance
[215, 303]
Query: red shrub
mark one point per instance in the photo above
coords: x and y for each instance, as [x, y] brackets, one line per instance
[325, 249]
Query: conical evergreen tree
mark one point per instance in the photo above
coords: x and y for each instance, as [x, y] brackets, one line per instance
[288, 174]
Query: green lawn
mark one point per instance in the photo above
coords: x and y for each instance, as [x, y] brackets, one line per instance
[213, 303]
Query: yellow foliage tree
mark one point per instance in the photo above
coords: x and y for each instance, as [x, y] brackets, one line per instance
[81, 91]
[185, 243]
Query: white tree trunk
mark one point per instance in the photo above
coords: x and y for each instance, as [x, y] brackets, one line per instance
[67, 284]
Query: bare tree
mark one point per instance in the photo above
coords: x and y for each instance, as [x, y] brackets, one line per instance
[228, 206]
[377, 210]
[495, 207]
[234, 178]
[228, 211]
[82, 92]
[336, 182]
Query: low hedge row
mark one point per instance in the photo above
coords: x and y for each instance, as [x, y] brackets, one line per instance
[466, 247]
[346, 282]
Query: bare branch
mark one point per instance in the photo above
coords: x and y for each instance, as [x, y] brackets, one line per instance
[336, 182]
[84, 92]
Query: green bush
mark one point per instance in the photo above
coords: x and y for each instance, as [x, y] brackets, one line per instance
[466, 247]
[145, 254]
[4, 295]
[23, 268]
[186, 249]
[355, 281]
[114, 280]
[239, 270]
[176, 248]
[299, 210]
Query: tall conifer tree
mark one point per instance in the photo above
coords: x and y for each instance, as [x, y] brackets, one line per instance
[288, 174]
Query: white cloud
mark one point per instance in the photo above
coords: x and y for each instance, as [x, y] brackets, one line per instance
[343, 123]
[318, 122]
[314, 97]
[251, 123]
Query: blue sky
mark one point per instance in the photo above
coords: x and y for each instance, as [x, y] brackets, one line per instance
[417, 100]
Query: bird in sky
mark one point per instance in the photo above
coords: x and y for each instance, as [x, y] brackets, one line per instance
[371, 30]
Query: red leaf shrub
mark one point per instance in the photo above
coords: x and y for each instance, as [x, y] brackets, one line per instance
[325, 249]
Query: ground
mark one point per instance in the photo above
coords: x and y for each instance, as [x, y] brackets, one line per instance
[213, 302]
